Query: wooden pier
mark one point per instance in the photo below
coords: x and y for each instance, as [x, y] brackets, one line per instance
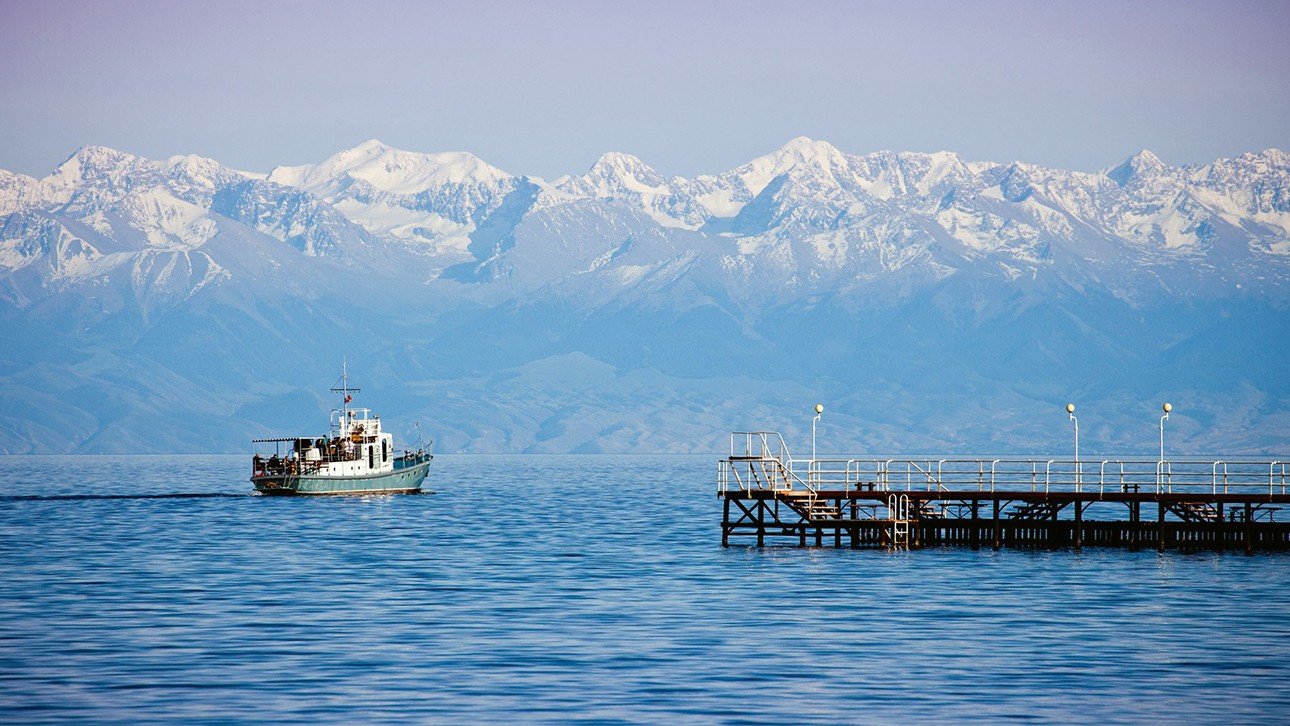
[1193, 504]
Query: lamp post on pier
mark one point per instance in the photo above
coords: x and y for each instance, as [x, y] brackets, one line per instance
[1160, 467]
[1166, 408]
[819, 411]
[1070, 411]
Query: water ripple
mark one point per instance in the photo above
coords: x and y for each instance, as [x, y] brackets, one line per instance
[547, 588]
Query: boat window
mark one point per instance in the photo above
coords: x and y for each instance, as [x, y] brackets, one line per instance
[371, 457]
[385, 451]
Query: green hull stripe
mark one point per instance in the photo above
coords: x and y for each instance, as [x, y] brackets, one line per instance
[397, 481]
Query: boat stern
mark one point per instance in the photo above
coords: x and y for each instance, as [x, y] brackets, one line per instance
[274, 485]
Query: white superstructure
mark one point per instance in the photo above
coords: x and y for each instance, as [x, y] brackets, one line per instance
[356, 447]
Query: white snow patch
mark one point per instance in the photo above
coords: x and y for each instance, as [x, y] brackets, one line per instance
[720, 203]
[408, 225]
[631, 274]
[167, 221]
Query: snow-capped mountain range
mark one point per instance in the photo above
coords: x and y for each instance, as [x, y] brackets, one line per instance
[809, 216]
[789, 269]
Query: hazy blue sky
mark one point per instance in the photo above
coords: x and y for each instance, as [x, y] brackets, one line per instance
[544, 88]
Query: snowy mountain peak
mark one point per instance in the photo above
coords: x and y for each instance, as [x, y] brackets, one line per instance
[367, 149]
[1275, 156]
[799, 153]
[100, 170]
[203, 170]
[390, 170]
[1268, 159]
[804, 151]
[372, 146]
[614, 174]
[15, 189]
[617, 160]
[806, 148]
[90, 161]
[624, 177]
[1141, 165]
[193, 162]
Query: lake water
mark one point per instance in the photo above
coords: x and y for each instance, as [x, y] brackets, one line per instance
[593, 588]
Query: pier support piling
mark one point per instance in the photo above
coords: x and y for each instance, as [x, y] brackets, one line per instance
[1160, 526]
[1079, 525]
[725, 522]
[998, 532]
[1249, 528]
[761, 524]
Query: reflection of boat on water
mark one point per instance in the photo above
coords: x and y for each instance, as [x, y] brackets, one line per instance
[356, 457]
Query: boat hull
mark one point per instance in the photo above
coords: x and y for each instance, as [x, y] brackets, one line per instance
[406, 480]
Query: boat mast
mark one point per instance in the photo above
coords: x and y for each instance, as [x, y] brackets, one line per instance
[345, 390]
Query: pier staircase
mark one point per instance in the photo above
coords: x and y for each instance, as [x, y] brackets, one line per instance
[1194, 511]
[762, 462]
[1035, 510]
[927, 510]
[809, 506]
[823, 510]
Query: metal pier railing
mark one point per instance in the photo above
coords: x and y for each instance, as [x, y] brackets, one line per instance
[761, 460]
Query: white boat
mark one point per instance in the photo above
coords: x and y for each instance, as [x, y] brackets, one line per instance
[356, 457]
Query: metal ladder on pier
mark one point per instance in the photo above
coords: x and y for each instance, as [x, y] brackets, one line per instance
[899, 508]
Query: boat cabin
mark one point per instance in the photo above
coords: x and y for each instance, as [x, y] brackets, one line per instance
[354, 446]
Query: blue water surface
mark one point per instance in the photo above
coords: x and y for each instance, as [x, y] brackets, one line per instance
[559, 588]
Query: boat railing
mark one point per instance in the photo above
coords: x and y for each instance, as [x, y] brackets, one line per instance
[411, 458]
[298, 465]
[284, 466]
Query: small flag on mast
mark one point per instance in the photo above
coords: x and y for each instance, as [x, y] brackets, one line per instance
[348, 398]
